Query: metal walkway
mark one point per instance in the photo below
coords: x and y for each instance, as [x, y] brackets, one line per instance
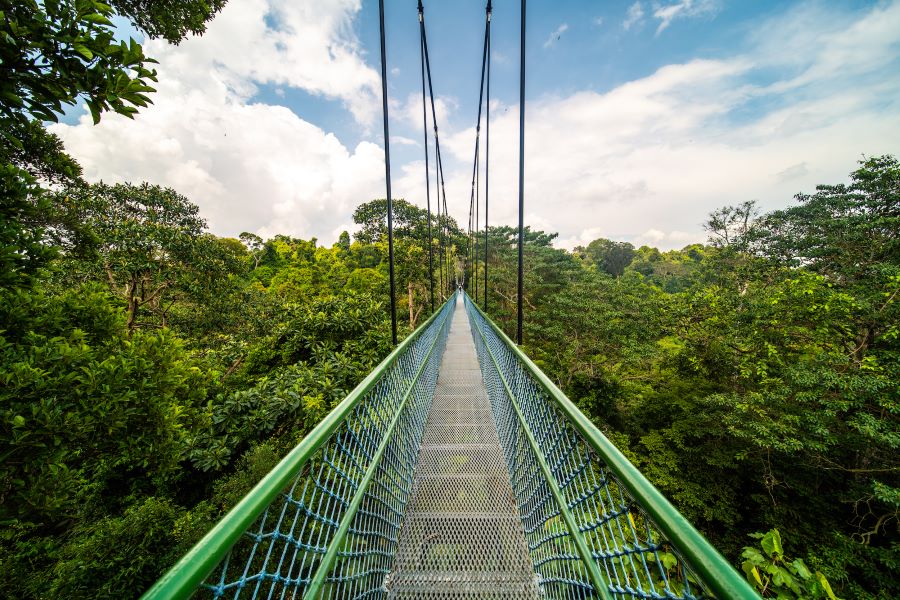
[462, 536]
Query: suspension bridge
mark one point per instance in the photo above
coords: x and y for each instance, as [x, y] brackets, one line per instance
[455, 470]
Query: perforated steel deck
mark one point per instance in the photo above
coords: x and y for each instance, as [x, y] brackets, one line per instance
[462, 536]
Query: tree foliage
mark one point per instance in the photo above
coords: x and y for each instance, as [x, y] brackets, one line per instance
[171, 20]
[774, 575]
[609, 256]
[754, 380]
[120, 425]
[58, 51]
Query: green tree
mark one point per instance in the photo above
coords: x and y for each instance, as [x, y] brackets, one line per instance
[411, 247]
[609, 256]
[53, 54]
[254, 245]
[409, 221]
[774, 575]
[846, 232]
[22, 248]
[41, 154]
[148, 242]
[729, 226]
[849, 234]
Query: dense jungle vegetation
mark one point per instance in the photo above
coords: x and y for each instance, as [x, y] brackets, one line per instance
[151, 372]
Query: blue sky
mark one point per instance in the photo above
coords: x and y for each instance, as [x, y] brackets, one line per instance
[641, 116]
[570, 45]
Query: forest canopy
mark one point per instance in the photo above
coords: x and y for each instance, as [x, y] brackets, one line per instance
[152, 372]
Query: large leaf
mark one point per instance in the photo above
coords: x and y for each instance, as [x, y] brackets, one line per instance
[771, 544]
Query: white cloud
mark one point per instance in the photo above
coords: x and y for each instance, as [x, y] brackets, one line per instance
[403, 141]
[249, 166]
[677, 239]
[598, 21]
[683, 9]
[552, 39]
[312, 47]
[634, 16]
[411, 111]
[793, 172]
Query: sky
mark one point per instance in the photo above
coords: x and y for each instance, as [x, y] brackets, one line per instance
[641, 117]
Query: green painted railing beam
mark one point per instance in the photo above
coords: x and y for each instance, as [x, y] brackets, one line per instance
[600, 586]
[318, 580]
[180, 582]
[715, 571]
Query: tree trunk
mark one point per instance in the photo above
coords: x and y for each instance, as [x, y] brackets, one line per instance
[132, 304]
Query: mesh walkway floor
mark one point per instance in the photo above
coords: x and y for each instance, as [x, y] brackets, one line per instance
[462, 536]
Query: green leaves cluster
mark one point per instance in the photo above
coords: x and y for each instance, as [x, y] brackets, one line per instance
[775, 576]
[171, 20]
[56, 51]
[83, 406]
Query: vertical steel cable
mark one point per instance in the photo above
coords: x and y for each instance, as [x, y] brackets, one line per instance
[487, 155]
[387, 172]
[448, 240]
[425, 134]
[476, 166]
[439, 169]
[440, 234]
[470, 256]
[442, 223]
[477, 207]
[473, 209]
[521, 171]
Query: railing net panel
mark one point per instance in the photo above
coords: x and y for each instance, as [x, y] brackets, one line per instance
[635, 559]
[462, 536]
[279, 555]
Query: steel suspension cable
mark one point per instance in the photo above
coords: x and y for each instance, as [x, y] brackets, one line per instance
[473, 223]
[387, 172]
[448, 241]
[477, 207]
[439, 167]
[487, 154]
[470, 233]
[442, 228]
[521, 173]
[473, 211]
[469, 248]
[474, 201]
[425, 134]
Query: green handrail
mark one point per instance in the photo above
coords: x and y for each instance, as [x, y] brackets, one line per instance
[715, 571]
[189, 572]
